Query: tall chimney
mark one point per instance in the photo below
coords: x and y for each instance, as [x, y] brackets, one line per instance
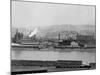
[59, 36]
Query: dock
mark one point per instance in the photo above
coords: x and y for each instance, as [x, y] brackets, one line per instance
[29, 66]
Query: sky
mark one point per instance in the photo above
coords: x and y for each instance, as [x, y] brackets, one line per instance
[32, 14]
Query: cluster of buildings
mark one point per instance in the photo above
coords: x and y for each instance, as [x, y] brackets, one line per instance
[68, 38]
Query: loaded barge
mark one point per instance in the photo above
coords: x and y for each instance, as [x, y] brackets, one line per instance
[29, 66]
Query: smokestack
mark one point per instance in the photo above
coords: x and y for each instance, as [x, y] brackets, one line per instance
[59, 36]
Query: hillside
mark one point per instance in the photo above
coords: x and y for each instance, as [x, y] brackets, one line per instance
[53, 30]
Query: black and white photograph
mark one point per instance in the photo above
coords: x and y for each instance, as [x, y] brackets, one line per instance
[52, 37]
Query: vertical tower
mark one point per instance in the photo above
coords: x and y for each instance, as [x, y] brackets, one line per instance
[59, 36]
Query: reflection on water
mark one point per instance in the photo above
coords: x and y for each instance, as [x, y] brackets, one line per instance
[87, 56]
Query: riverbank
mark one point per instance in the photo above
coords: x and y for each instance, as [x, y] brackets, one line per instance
[27, 66]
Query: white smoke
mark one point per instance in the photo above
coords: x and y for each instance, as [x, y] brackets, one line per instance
[33, 33]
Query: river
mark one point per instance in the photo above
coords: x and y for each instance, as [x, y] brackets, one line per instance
[84, 55]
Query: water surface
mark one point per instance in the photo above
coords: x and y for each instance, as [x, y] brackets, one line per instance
[85, 55]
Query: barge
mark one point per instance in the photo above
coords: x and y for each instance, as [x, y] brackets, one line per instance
[29, 66]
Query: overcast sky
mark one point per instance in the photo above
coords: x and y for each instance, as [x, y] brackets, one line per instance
[28, 14]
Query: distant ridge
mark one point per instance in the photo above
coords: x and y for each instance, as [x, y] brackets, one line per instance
[53, 30]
